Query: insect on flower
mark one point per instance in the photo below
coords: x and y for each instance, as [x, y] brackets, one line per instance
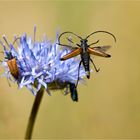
[13, 66]
[11, 60]
[85, 50]
[36, 64]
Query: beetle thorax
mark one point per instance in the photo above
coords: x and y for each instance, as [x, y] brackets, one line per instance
[84, 45]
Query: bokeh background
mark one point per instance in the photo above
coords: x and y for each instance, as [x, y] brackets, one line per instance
[109, 104]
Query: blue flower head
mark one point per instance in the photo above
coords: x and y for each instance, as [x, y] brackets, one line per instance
[38, 64]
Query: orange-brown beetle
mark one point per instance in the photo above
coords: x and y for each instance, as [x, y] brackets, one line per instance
[85, 50]
[11, 60]
[12, 64]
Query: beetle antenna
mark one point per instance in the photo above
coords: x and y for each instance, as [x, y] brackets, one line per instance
[4, 37]
[102, 32]
[67, 39]
[66, 33]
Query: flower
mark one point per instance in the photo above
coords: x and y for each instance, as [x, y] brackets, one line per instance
[37, 64]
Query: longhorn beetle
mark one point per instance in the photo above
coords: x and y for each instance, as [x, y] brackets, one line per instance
[11, 60]
[85, 50]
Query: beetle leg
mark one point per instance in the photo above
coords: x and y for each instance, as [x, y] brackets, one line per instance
[97, 70]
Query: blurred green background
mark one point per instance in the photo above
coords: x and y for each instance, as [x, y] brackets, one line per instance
[109, 104]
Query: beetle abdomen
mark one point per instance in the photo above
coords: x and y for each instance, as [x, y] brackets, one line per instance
[85, 59]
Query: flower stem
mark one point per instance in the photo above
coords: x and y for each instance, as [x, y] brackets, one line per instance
[33, 114]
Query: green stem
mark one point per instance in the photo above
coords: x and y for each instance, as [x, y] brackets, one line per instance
[33, 114]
